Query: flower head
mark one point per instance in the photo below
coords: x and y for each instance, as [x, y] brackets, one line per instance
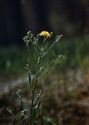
[44, 34]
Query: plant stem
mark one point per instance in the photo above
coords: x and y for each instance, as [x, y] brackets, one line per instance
[32, 103]
[33, 93]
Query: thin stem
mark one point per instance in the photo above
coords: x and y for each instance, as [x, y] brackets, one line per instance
[32, 103]
[33, 93]
[42, 119]
[38, 96]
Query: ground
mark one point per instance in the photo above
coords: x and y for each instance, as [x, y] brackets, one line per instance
[65, 100]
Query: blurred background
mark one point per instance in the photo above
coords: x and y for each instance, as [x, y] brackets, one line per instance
[71, 79]
[68, 17]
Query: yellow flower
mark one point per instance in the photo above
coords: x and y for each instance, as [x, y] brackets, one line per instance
[44, 33]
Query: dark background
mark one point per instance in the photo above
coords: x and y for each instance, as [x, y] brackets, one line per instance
[67, 17]
[66, 94]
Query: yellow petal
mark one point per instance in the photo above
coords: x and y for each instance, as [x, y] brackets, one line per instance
[45, 34]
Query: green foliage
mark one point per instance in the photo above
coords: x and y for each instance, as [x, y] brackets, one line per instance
[39, 64]
[75, 49]
[42, 56]
[12, 59]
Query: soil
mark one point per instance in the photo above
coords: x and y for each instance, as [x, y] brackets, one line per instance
[65, 100]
